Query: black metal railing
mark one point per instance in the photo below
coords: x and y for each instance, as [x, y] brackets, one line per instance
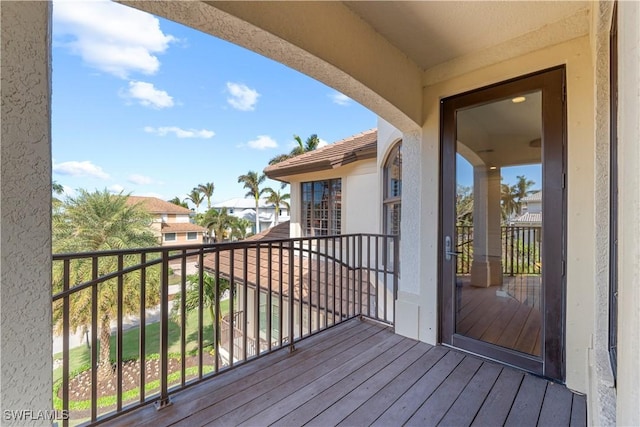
[521, 250]
[184, 329]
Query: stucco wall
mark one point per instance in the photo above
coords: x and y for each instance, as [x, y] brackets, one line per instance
[420, 213]
[628, 403]
[601, 393]
[25, 202]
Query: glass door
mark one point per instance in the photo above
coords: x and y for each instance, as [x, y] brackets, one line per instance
[502, 222]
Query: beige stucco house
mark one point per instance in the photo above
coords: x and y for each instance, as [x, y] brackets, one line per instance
[171, 223]
[421, 66]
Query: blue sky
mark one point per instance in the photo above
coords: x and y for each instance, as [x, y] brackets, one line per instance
[149, 107]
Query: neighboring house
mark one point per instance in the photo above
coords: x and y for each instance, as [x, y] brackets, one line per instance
[427, 68]
[246, 208]
[171, 223]
[531, 211]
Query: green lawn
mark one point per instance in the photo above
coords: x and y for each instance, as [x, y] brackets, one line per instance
[80, 357]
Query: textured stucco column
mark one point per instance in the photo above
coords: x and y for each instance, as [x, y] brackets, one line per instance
[25, 209]
[628, 399]
[486, 268]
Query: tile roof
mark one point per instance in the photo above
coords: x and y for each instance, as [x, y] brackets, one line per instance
[181, 227]
[357, 147]
[534, 197]
[280, 231]
[158, 206]
[309, 280]
[529, 217]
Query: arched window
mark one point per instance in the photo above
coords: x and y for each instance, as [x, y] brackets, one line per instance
[392, 190]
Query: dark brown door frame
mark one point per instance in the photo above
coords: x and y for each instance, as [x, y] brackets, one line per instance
[552, 84]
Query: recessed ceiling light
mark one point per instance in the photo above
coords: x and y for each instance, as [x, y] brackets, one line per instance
[518, 99]
[493, 168]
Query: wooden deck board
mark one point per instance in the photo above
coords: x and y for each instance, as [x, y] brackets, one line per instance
[526, 408]
[472, 397]
[360, 373]
[379, 387]
[370, 360]
[437, 405]
[403, 408]
[368, 412]
[554, 407]
[242, 401]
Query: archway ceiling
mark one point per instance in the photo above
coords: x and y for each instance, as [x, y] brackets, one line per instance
[435, 32]
[383, 53]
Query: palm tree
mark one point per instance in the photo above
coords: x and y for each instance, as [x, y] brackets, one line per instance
[509, 200]
[252, 182]
[192, 296]
[522, 187]
[176, 201]
[309, 145]
[95, 222]
[217, 221]
[207, 190]
[277, 199]
[57, 187]
[195, 197]
[239, 228]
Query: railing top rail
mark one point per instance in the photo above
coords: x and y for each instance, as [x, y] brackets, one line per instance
[209, 247]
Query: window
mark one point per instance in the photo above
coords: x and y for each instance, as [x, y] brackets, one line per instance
[322, 207]
[170, 237]
[613, 194]
[192, 235]
[392, 190]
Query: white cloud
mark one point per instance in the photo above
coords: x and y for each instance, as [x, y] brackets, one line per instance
[115, 188]
[242, 97]
[110, 37]
[322, 143]
[180, 133]
[84, 168]
[140, 179]
[340, 99]
[146, 94]
[262, 143]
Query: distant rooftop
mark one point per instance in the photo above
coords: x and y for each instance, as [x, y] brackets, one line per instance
[534, 197]
[158, 206]
[357, 147]
[240, 203]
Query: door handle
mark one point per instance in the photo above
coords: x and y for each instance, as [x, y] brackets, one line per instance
[448, 253]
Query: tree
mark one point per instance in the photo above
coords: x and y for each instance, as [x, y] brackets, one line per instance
[252, 182]
[195, 197]
[192, 296]
[176, 201]
[239, 228]
[95, 222]
[522, 187]
[277, 199]
[207, 190]
[309, 145]
[217, 221]
[57, 187]
[464, 205]
[509, 200]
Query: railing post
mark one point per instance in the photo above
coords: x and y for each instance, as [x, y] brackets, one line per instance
[360, 275]
[291, 306]
[164, 400]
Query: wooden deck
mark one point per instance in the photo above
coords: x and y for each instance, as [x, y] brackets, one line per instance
[507, 315]
[359, 373]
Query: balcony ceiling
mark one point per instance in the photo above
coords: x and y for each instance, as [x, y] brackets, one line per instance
[434, 32]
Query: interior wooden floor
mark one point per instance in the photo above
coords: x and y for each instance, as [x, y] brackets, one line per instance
[360, 373]
[507, 315]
